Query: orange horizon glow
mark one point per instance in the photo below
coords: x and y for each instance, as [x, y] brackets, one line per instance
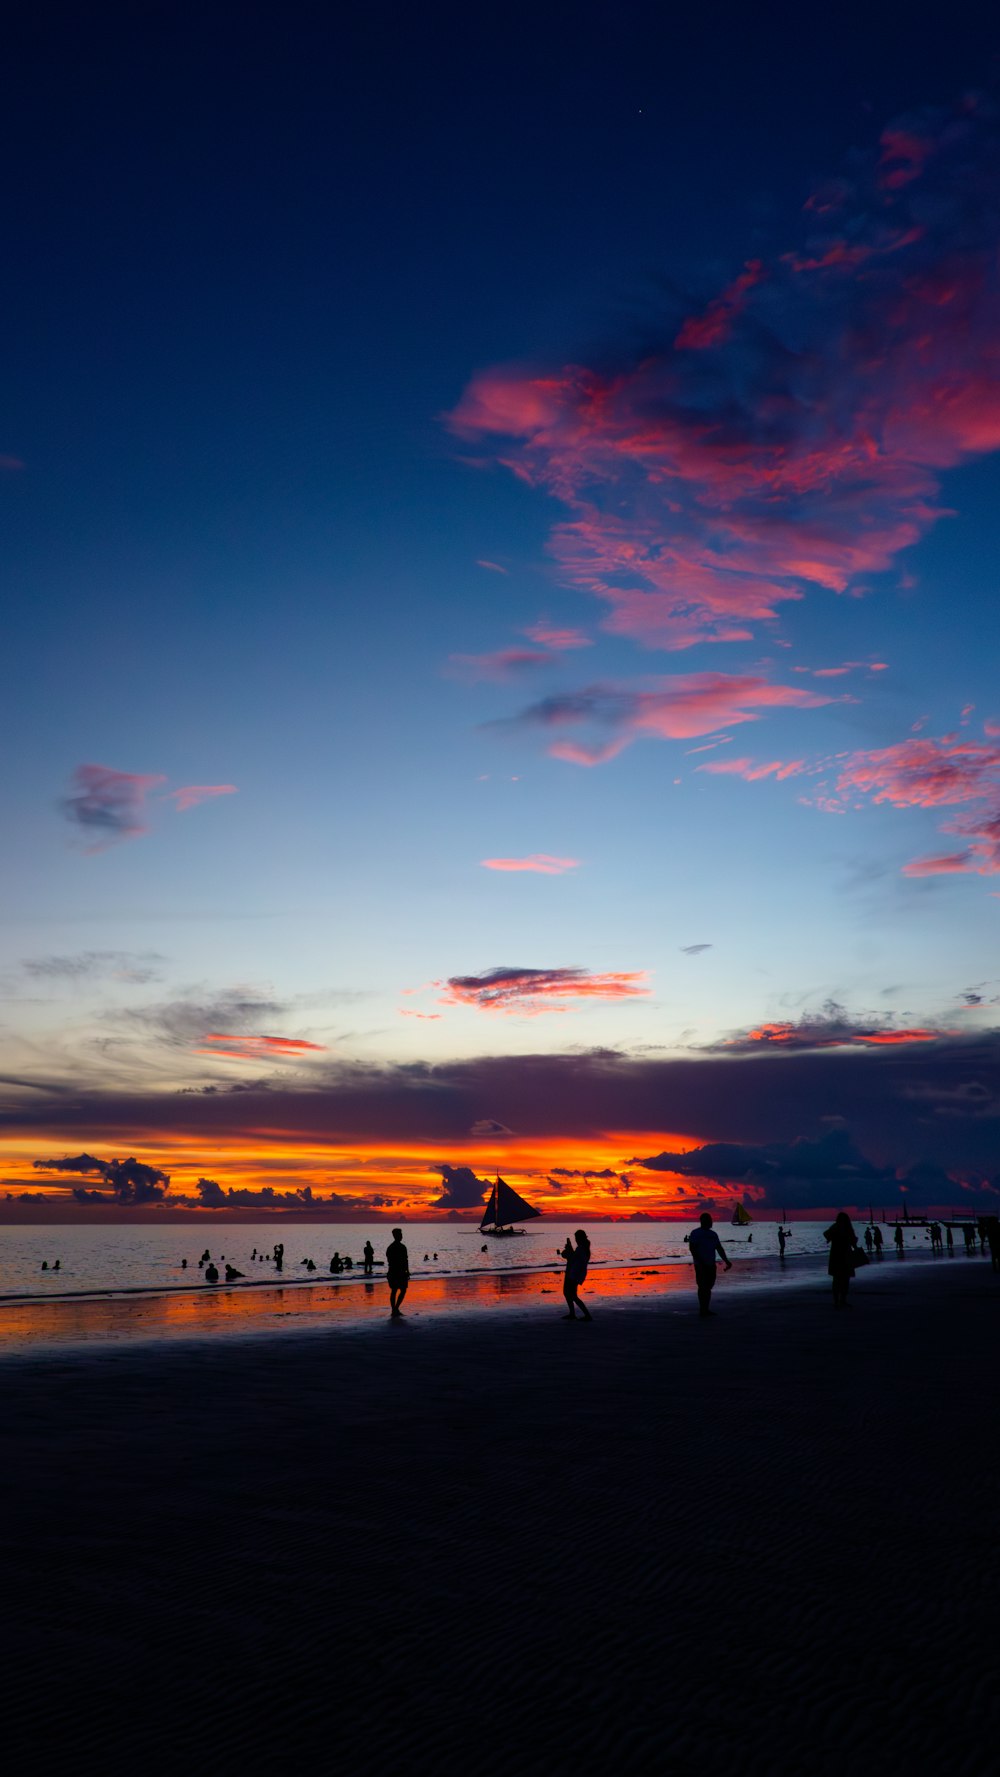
[402, 1170]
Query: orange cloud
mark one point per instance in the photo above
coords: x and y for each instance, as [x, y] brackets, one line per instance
[527, 992]
[257, 1048]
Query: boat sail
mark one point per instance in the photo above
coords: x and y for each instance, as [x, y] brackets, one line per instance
[503, 1208]
[741, 1216]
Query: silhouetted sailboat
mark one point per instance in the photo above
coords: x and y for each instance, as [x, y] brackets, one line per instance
[503, 1208]
[741, 1216]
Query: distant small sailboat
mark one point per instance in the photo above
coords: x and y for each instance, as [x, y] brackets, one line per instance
[741, 1216]
[503, 1208]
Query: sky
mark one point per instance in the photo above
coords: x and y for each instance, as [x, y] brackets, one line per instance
[500, 538]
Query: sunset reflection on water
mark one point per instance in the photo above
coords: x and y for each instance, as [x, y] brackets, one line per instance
[209, 1312]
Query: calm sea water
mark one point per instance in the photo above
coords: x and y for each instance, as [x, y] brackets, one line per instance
[122, 1258]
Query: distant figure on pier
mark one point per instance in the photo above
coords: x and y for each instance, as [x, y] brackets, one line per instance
[397, 1261]
[840, 1264]
[211, 1274]
[898, 1238]
[705, 1248]
[577, 1260]
[232, 1274]
[369, 1258]
[877, 1237]
[782, 1240]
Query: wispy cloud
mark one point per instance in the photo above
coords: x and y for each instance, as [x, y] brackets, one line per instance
[527, 992]
[107, 804]
[493, 566]
[792, 431]
[549, 635]
[111, 804]
[681, 707]
[258, 1048]
[540, 863]
[752, 770]
[504, 663]
[830, 1028]
[928, 773]
[191, 794]
[95, 965]
[694, 949]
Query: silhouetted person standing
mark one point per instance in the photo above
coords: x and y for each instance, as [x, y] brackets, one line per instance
[577, 1259]
[397, 1261]
[840, 1264]
[877, 1237]
[898, 1238]
[782, 1238]
[706, 1247]
[369, 1258]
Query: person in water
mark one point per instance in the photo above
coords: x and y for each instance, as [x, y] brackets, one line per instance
[397, 1261]
[211, 1274]
[577, 1259]
[706, 1248]
[782, 1237]
[843, 1244]
[369, 1258]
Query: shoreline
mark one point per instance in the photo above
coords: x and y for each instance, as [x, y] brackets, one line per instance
[269, 1308]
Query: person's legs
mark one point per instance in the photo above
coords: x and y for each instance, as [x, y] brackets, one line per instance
[569, 1292]
[705, 1279]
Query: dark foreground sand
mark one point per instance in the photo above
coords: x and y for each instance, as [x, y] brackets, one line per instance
[763, 1543]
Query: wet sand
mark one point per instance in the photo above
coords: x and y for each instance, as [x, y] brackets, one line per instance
[762, 1543]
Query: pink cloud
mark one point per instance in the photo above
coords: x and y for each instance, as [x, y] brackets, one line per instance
[714, 326]
[528, 992]
[493, 566]
[683, 707]
[942, 773]
[746, 768]
[794, 434]
[109, 804]
[540, 862]
[192, 794]
[831, 1028]
[550, 636]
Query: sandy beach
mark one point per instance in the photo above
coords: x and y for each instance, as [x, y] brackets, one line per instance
[763, 1543]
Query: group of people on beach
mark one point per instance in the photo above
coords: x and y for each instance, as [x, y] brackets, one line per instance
[845, 1255]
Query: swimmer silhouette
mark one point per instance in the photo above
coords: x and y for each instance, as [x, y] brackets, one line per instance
[232, 1274]
[211, 1274]
[369, 1258]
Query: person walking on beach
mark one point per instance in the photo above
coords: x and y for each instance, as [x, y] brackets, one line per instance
[705, 1248]
[397, 1261]
[577, 1259]
[369, 1258]
[840, 1264]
